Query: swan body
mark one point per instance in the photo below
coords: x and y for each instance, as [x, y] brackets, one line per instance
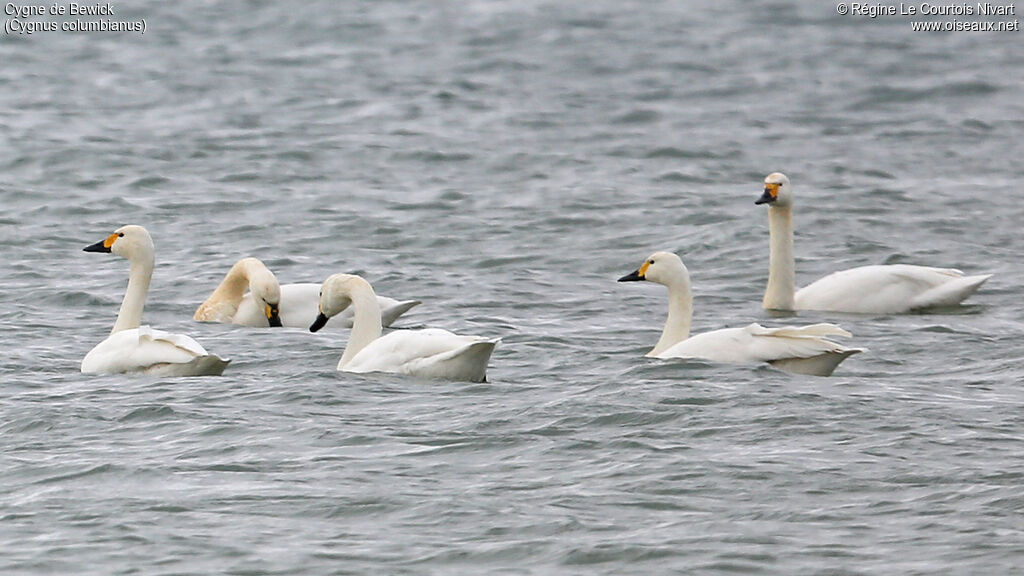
[888, 289]
[150, 351]
[879, 289]
[294, 305]
[131, 347]
[799, 349]
[429, 353]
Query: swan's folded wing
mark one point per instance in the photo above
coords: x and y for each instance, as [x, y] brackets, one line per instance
[771, 344]
[887, 289]
[140, 349]
[179, 341]
[822, 329]
[755, 343]
[398, 350]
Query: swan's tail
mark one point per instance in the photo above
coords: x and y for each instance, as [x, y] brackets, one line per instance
[468, 363]
[820, 365]
[210, 365]
[391, 313]
[809, 351]
[951, 293]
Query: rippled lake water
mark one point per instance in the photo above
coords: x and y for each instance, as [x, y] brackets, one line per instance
[505, 163]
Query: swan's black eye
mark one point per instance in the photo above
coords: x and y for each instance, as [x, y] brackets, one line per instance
[650, 261]
[120, 234]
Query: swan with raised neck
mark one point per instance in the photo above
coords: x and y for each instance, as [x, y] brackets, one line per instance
[873, 289]
[132, 347]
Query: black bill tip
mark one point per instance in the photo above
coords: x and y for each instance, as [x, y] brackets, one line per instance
[97, 247]
[633, 276]
[319, 323]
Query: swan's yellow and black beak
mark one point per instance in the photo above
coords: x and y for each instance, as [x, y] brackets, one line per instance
[273, 315]
[320, 322]
[771, 193]
[637, 275]
[103, 245]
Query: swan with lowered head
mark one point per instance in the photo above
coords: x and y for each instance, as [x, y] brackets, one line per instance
[427, 353]
[132, 347]
[878, 289]
[270, 304]
[803, 350]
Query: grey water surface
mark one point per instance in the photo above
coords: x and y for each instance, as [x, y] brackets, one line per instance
[505, 162]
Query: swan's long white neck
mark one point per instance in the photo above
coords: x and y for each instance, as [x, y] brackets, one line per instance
[223, 303]
[680, 314]
[231, 290]
[366, 323]
[139, 276]
[779, 295]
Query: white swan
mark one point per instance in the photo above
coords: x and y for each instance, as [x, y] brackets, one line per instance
[135, 348]
[429, 353]
[269, 304]
[889, 289]
[804, 350]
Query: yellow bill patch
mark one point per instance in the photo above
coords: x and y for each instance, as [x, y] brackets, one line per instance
[110, 240]
[643, 269]
[772, 189]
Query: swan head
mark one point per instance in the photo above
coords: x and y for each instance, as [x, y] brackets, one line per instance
[129, 242]
[777, 191]
[265, 289]
[661, 267]
[336, 296]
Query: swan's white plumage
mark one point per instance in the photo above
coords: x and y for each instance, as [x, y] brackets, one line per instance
[295, 304]
[144, 349]
[298, 308]
[428, 353]
[134, 348]
[878, 289]
[801, 349]
[888, 289]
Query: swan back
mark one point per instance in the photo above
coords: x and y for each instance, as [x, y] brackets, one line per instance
[888, 289]
[427, 353]
[151, 351]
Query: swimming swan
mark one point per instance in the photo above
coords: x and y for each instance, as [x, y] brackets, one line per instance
[270, 304]
[888, 289]
[429, 353]
[803, 350]
[134, 348]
